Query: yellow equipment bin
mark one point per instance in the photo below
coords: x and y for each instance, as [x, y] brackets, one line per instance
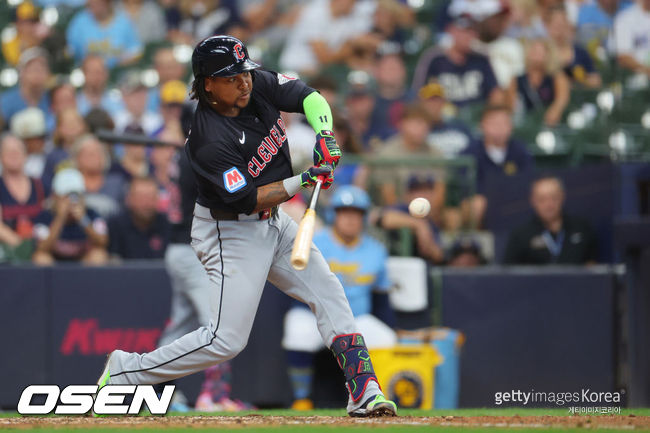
[407, 374]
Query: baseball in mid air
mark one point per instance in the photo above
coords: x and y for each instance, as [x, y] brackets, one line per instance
[419, 207]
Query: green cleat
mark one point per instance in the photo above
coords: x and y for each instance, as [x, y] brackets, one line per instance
[376, 406]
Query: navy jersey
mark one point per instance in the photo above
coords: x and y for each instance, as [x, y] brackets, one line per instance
[232, 156]
[464, 84]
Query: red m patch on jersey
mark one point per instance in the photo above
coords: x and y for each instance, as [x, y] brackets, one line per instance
[233, 180]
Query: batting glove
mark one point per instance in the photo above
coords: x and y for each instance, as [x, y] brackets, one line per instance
[309, 177]
[326, 151]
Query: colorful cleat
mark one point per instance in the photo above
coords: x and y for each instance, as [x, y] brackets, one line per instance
[376, 406]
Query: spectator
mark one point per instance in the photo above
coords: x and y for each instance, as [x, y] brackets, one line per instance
[391, 20]
[165, 170]
[34, 75]
[133, 161]
[448, 137]
[410, 141]
[497, 155]
[350, 144]
[198, 19]
[492, 18]
[168, 69]
[101, 29]
[526, 21]
[94, 93]
[328, 88]
[551, 236]
[69, 231]
[466, 76]
[140, 231]
[97, 120]
[359, 105]
[425, 230]
[319, 36]
[544, 86]
[465, 253]
[21, 200]
[148, 19]
[631, 37]
[172, 97]
[29, 126]
[135, 112]
[359, 262]
[104, 190]
[574, 60]
[28, 33]
[62, 97]
[595, 22]
[69, 127]
[391, 96]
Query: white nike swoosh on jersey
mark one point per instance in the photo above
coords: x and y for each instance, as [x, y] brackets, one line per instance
[243, 137]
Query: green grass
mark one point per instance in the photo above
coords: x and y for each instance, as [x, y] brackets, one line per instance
[404, 412]
[360, 428]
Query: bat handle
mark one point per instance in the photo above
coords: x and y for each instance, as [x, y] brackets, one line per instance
[316, 192]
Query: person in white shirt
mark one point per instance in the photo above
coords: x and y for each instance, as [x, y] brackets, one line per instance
[319, 36]
[631, 37]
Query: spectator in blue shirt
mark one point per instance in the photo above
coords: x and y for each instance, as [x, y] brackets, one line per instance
[101, 29]
[95, 93]
[574, 60]
[497, 156]
[140, 232]
[595, 22]
[31, 91]
[69, 231]
[466, 76]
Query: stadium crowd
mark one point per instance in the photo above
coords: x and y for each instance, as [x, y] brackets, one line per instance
[454, 94]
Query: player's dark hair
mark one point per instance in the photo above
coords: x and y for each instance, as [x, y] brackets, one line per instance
[198, 91]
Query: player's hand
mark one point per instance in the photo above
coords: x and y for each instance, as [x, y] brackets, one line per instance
[326, 151]
[309, 177]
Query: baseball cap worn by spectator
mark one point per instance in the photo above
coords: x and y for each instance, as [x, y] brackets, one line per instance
[173, 92]
[32, 54]
[131, 82]
[28, 123]
[26, 11]
[478, 10]
[68, 181]
[431, 90]
[419, 182]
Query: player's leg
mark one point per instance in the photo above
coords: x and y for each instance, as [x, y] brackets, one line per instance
[319, 288]
[193, 302]
[301, 340]
[237, 260]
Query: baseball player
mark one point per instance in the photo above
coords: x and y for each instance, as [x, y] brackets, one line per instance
[359, 262]
[239, 153]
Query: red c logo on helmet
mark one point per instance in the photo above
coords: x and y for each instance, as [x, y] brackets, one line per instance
[239, 52]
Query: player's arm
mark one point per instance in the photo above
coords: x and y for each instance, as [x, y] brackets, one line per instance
[278, 192]
[319, 116]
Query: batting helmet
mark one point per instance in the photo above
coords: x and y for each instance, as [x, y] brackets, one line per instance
[221, 56]
[350, 196]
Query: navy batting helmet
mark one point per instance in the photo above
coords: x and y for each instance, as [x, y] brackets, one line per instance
[350, 196]
[221, 56]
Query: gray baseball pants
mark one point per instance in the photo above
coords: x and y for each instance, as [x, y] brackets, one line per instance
[239, 256]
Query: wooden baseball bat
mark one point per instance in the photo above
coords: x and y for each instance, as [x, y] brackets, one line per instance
[305, 234]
